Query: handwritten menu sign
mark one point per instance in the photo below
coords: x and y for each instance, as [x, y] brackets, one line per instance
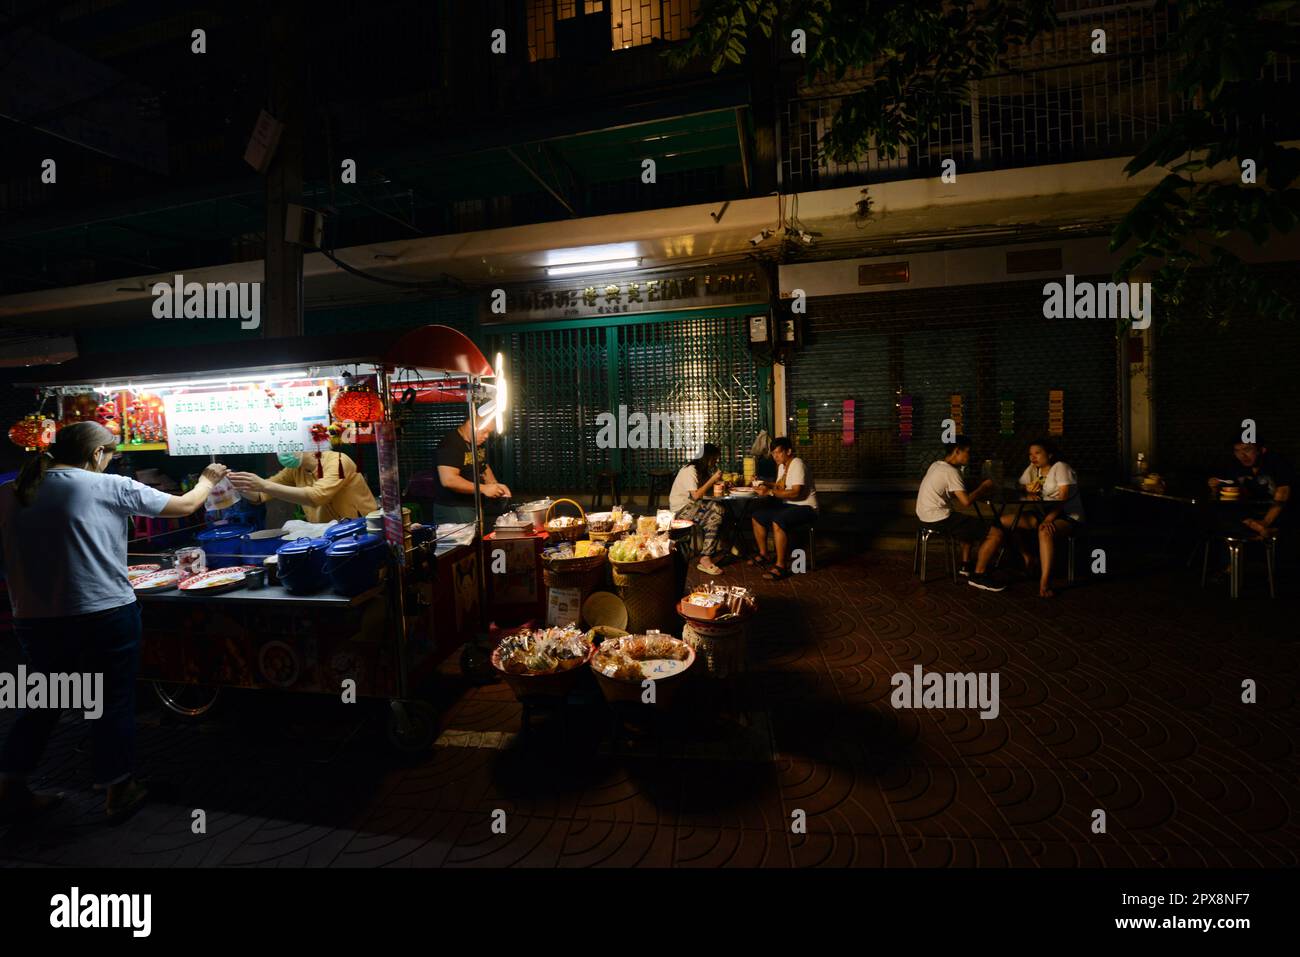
[244, 421]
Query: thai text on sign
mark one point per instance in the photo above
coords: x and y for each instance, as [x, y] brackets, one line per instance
[245, 421]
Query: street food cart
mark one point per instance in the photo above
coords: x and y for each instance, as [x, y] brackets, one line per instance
[223, 402]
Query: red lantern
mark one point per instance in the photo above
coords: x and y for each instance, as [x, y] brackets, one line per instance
[33, 432]
[357, 404]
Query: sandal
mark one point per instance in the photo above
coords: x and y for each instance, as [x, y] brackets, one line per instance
[777, 573]
[714, 570]
[760, 560]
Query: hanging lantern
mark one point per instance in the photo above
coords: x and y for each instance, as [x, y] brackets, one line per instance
[33, 432]
[357, 403]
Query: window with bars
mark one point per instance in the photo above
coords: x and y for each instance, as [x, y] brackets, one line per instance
[1057, 102]
[633, 23]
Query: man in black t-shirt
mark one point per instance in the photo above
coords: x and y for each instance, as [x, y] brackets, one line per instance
[1265, 480]
[454, 490]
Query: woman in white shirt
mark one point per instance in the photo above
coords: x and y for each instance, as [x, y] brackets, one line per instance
[687, 500]
[1055, 482]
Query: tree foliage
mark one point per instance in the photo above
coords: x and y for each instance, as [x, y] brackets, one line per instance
[923, 55]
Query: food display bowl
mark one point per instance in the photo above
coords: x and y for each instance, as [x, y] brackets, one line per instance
[557, 684]
[619, 692]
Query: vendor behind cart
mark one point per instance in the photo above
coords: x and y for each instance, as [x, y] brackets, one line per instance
[326, 484]
[454, 492]
[64, 528]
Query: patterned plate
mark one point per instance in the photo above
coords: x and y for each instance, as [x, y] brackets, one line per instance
[139, 571]
[162, 580]
[218, 579]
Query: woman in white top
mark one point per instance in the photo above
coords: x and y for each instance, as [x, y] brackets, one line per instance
[1056, 483]
[64, 540]
[687, 500]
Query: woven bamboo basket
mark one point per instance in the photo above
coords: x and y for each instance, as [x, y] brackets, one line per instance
[567, 533]
[557, 684]
[650, 597]
[721, 649]
[585, 574]
[617, 532]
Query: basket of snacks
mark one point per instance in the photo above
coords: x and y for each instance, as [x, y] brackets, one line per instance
[716, 626]
[641, 554]
[603, 526]
[542, 662]
[566, 528]
[622, 664]
[579, 565]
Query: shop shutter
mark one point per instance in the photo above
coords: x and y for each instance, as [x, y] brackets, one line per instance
[986, 343]
[697, 366]
[701, 370]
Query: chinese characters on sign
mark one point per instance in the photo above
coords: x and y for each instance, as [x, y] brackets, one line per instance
[616, 297]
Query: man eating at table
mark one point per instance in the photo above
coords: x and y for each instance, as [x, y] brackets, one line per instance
[941, 486]
[1264, 478]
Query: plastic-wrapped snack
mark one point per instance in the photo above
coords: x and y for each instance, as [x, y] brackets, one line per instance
[514, 662]
[662, 646]
[539, 662]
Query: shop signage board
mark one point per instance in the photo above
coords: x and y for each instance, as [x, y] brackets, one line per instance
[244, 421]
[630, 293]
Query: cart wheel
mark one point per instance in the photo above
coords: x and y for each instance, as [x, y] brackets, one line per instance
[412, 726]
[187, 702]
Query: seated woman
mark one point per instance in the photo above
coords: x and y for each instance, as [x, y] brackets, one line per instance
[1054, 481]
[687, 500]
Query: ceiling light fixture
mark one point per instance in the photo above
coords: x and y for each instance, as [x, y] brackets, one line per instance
[577, 269]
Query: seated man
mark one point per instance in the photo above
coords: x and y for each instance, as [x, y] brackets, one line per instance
[1264, 478]
[454, 490]
[786, 507]
[942, 484]
[326, 485]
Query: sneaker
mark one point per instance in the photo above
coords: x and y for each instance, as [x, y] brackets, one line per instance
[965, 570]
[985, 582]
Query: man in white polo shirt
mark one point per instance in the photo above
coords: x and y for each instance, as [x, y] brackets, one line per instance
[791, 505]
[942, 485]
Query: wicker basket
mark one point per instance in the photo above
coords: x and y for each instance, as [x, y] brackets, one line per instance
[618, 532]
[557, 684]
[647, 567]
[585, 574]
[650, 597]
[722, 650]
[569, 533]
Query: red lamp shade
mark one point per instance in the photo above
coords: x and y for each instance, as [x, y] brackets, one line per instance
[357, 404]
[32, 432]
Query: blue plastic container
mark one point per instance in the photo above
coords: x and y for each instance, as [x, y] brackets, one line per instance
[221, 544]
[301, 565]
[255, 550]
[349, 526]
[352, 562]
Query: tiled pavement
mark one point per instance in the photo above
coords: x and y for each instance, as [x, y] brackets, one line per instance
[1123, 695]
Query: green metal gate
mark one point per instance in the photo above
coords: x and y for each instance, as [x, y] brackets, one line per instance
[695, 366]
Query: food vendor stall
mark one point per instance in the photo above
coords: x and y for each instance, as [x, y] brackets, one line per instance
[362, 609]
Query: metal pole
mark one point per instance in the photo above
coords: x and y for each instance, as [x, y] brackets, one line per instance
[471, 388]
